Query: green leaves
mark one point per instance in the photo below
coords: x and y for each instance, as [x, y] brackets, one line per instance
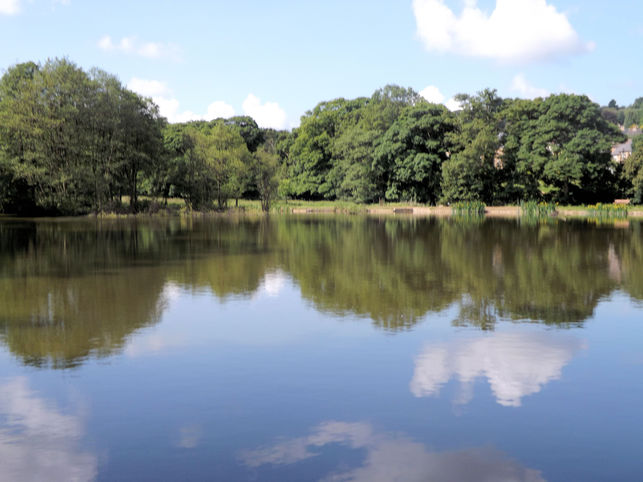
[409, 157]
[73, 141]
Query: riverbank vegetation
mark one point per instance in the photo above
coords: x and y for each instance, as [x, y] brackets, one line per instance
[78, 142]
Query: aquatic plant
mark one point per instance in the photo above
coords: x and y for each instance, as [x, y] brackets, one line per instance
[533, 209]
[468, 208]
[609, 211]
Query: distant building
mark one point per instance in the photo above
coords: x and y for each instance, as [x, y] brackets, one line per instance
[620, 152]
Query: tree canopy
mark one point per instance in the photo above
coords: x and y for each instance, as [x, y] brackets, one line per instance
[75, 141]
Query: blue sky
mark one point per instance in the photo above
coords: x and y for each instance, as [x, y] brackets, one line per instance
[276, 59]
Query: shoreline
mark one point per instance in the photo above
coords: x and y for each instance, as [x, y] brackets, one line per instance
[298, 208]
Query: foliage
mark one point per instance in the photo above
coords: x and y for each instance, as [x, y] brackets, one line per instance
[468, 174]
[609, 211]
[266, 177]
[633, 172]
[72, 142]
[468, 208]
[408, 160]
[533, 209]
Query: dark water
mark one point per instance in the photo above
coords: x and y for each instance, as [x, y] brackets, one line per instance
[321, 349]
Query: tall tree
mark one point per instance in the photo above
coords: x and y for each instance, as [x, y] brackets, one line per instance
[469, 173]
[409, 157]
[565, 150]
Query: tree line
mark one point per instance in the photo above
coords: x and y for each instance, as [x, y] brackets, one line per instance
[75, 141]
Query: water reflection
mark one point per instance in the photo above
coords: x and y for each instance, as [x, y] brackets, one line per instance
[60, 321]
[515, 364]
[390, 457]
[73, 290]
[37, 441]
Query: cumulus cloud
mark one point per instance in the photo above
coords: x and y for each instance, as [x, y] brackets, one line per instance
[170, 107]
[506, 360]
[432, 94]
[390, 457]
[37, 442]
[267, 115]
[219, 109]
[453, 104]
[9, 7]
[133, 46]
[149, 88]
[515, 31]
[525, 89]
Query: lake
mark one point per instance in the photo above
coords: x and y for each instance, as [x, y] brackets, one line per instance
[321, 348]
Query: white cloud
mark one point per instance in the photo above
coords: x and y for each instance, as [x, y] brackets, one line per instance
[37, 442]
[389, 457]
[132, 46]
[148, 88]
[9, 7]
[516, 30]
[219, 109]
[506, 360]
[526, 90]
[432, 94]
[169, 106]
[267, 115]
[453, 104]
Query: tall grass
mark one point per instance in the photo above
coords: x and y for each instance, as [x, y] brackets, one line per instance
[537, 210]
[468, 208]
[609, 211]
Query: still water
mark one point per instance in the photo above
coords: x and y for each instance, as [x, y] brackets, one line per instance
[325, 348]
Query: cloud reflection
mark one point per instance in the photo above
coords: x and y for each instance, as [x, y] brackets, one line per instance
[37, 442]
[515, 364]
[392, 457]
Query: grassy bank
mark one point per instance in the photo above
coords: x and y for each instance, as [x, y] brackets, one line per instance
[177, 206]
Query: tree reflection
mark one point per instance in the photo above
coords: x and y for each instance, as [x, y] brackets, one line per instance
[387, 270]
[74, 289]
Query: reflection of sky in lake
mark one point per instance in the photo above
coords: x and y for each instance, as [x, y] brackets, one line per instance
[515, 364]
[37, 441]
[391, 457]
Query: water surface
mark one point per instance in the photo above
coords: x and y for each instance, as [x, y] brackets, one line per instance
[322, 348]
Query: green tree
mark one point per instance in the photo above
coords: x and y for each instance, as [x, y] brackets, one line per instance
[311, 153]
[409, 158]
[633, 171]
[266, 176]
[469, 173]
[565, 150]
[247, 127]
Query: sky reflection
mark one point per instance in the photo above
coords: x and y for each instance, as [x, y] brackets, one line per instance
[391, 457]
[37, 441]
[516, 364]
